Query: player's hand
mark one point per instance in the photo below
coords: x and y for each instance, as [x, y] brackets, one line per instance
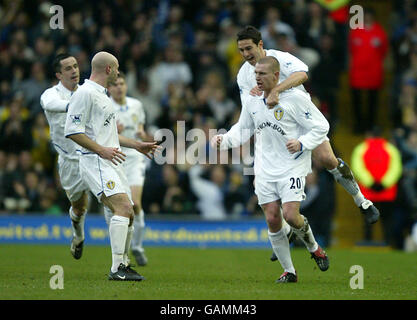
[112, 154]
[148, 148]
[293, 146]
[216, 141]
[272, 99]
[255, 91]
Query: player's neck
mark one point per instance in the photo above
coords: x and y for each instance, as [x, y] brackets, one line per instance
[99, 79]
[266, 93]
[121, 101]
[69, 87]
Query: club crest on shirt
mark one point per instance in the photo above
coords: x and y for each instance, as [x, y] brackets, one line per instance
[76, 118]
[111, 184]
[279, 113]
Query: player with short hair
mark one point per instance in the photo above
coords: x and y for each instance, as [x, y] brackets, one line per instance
[91, 123]
[284, 138]
[54, 102]
[292, 75]
[130, 118]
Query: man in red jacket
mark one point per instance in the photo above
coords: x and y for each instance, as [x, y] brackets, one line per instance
[367, 48]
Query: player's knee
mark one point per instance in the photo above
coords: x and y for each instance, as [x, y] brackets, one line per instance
[273, 218]
[79, 208]
[290, 215]
[124, 209]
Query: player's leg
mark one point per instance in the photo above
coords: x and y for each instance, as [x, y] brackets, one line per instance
[76, 191]
[120, 223]
[279, 240]
[265, 195]
[77, 213]
[344, 176]
[290, 235]
[301, 227]
[139, 227]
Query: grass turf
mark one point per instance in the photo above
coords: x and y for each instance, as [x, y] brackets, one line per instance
[204, 274]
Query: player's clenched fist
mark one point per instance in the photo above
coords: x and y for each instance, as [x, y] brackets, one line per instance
[293, 145]
[216, 141]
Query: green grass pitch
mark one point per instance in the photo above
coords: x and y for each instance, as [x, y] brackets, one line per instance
[204, 274]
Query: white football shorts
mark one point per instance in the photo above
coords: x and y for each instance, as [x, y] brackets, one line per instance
[69, 174]
[102, 176]
[135, 169]
[287, 189]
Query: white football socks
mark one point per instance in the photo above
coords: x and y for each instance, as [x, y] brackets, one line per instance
[77, 226]
[305, 234]
[139, 232]
[350, 185]
[118, 231]
[281, 247]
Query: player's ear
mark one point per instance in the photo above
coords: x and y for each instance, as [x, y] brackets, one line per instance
[58, 75]
[261, 44]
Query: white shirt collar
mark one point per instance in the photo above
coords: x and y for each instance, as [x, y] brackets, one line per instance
[63, 88]
[97, 86]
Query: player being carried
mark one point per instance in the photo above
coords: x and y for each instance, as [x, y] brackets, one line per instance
[284, 138]
[130, 118]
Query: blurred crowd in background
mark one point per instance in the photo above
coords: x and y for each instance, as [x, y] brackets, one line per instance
[181, 59]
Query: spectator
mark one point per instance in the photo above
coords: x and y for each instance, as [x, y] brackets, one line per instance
[15, 128]
[209, 191]
[274, 26]
[172, 69]
[367, 48]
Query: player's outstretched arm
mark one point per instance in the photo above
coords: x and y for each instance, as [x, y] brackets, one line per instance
[108, 153]
[147, 148]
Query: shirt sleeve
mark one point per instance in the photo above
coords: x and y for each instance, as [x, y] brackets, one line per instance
[313, 121]
[290, 64]
[244, 87]
[240, 132]
[52, 102]
[78, 114]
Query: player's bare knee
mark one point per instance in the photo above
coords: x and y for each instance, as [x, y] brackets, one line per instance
[79, 207]
[274, 222]
[290, 215]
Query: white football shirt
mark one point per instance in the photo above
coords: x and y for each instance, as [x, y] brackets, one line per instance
[90, 111]
[295, 117]
[130, 115]
[288, 64]
[54, 102]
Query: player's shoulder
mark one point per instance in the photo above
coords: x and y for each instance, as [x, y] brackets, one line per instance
[133, 101]
[281, 56]
[244, 69]
[49, 91]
